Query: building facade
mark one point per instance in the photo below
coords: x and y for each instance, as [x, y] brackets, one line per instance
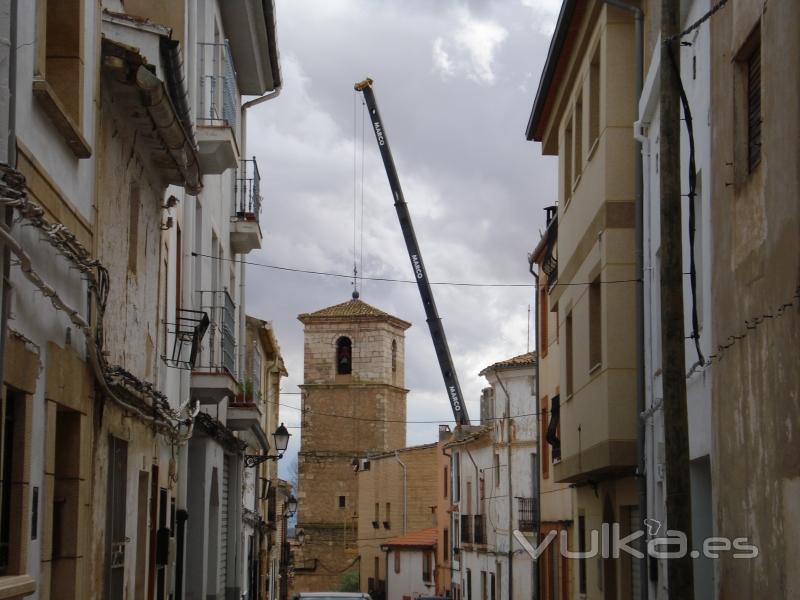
[354, 404]
[123, 119]
[583, 113]
[755, 272]
[396, 496]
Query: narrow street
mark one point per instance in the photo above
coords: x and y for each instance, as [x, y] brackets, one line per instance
[356, 300]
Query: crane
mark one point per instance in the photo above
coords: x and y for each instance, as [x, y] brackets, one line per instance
[425, 291]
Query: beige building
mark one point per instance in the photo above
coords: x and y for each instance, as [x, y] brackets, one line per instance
[556, 499]
[583, 113]
[354, 404]
[755, 293]
[396, 496]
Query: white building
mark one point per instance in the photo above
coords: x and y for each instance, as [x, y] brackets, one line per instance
[696, 79]
[494, 486]
[411, 564]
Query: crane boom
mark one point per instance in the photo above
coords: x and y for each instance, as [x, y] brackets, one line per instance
[425, 291]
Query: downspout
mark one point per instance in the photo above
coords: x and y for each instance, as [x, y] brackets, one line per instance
[242, 317]
[405, 490]
[537, 485]
[638, 17]
[11, 158]
[510, 492]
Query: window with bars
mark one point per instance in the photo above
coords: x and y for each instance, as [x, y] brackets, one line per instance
[754, 106]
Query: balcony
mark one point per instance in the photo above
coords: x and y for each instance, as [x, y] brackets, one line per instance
[245, 228]
[217, 113]
[526, 510]
[213, 376]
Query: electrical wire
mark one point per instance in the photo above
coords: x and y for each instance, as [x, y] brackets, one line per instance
[751, 325]
[687, 114]
[307, 411]
[697, 23]
[393, 280]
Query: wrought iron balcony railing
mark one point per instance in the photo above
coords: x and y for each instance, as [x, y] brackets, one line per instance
[219, 91]
[248, 190]
[220, 352]
[186, 336]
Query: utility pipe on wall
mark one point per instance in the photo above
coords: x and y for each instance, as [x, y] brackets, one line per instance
[243, 135]
[405, 490]
[507, 420]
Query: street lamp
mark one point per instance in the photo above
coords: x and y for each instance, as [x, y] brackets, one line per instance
[300, 536]
[281, 437]
[291, 507]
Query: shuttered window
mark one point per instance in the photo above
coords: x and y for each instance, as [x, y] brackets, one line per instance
[754, 108]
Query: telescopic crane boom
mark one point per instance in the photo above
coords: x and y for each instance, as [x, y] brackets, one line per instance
[431, 314]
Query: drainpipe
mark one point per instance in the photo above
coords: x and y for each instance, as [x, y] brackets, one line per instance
[638, 16]
[11, 158]
[510, 493]
[242, 318]
[537, 485]
[405, 490]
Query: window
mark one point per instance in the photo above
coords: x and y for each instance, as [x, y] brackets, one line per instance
[387, 521]
[342, 501]
[594, 99]
[595, 324]
[568, 361]
[554, 428]
[457, 477]
[394, 356]
[133, 227]
[578, 137]
[493, 586]
[747, 107]
[426, 565]
[344, 356]
[545, 447]
[376, 565]
[446, 544]
[376, 521]
[59, 59]
[754, 107]
[698, 247]
[499, 584]
[496, 469]
[568, 161]
[542, 321]
[483, 585]
[582, 549]
[178, 268]
[446, 482]
[469, 584]
[396, 561]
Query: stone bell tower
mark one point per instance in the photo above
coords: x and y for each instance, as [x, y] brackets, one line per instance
[355, 403]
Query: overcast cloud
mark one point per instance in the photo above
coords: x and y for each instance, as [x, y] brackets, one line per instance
[455, 81]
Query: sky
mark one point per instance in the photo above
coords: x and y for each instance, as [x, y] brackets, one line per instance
[455, 81]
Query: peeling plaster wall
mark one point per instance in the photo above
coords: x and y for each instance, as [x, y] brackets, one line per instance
[756, 395]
